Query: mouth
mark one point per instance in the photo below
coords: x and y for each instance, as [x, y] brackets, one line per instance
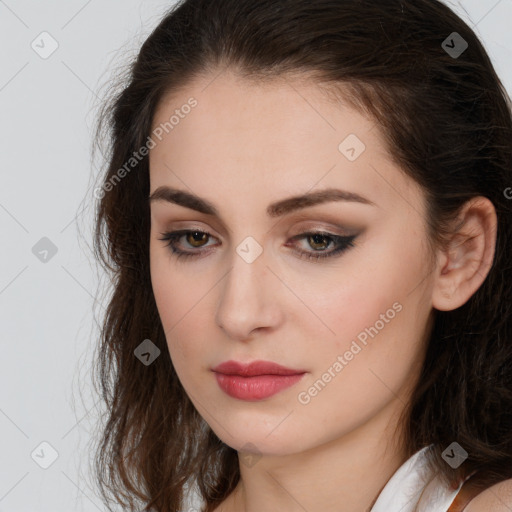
[255, 381]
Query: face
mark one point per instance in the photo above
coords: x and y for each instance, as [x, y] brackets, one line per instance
[336, 288]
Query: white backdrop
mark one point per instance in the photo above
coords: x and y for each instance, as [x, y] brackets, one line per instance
[55, 55]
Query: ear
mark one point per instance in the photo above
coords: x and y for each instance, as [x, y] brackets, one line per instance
[464, 264]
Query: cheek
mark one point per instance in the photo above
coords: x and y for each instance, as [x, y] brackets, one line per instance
[374, 358]
[180, 301]
[171, 305]
[354, 298]
[176, 293]
[375, 312]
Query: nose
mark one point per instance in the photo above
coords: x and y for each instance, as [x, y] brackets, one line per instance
[249, 299]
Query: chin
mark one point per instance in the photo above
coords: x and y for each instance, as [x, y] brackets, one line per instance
[257, 440]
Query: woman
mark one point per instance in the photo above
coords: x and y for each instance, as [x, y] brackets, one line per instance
[307, 214]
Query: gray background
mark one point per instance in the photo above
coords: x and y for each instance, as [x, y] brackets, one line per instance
[48, 299]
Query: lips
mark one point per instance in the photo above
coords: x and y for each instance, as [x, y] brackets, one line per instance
[255, 368]
[255, 381]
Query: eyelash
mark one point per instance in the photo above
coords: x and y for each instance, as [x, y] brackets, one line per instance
[343, 242]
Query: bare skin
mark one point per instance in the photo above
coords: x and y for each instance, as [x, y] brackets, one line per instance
[241, 148]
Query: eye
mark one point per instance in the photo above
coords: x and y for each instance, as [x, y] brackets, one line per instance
[195, 238]
[318, 240]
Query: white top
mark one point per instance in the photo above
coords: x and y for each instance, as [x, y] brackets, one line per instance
[412, 488]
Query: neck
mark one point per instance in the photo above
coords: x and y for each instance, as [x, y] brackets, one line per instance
[346, 474]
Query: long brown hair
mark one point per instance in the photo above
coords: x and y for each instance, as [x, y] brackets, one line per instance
[446, 119]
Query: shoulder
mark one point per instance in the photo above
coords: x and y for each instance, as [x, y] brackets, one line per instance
[497, 498]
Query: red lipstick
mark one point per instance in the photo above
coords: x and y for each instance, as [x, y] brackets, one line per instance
[255, 381]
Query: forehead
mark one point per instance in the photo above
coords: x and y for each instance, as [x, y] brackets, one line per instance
[282, 136]
[282, 113]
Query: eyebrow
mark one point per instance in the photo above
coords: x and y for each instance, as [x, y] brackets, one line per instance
[277, 209]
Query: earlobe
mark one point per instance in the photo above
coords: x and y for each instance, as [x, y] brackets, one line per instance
[464, 264]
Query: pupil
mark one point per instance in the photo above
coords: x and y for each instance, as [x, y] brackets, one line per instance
[316, 239]
[197, 234]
